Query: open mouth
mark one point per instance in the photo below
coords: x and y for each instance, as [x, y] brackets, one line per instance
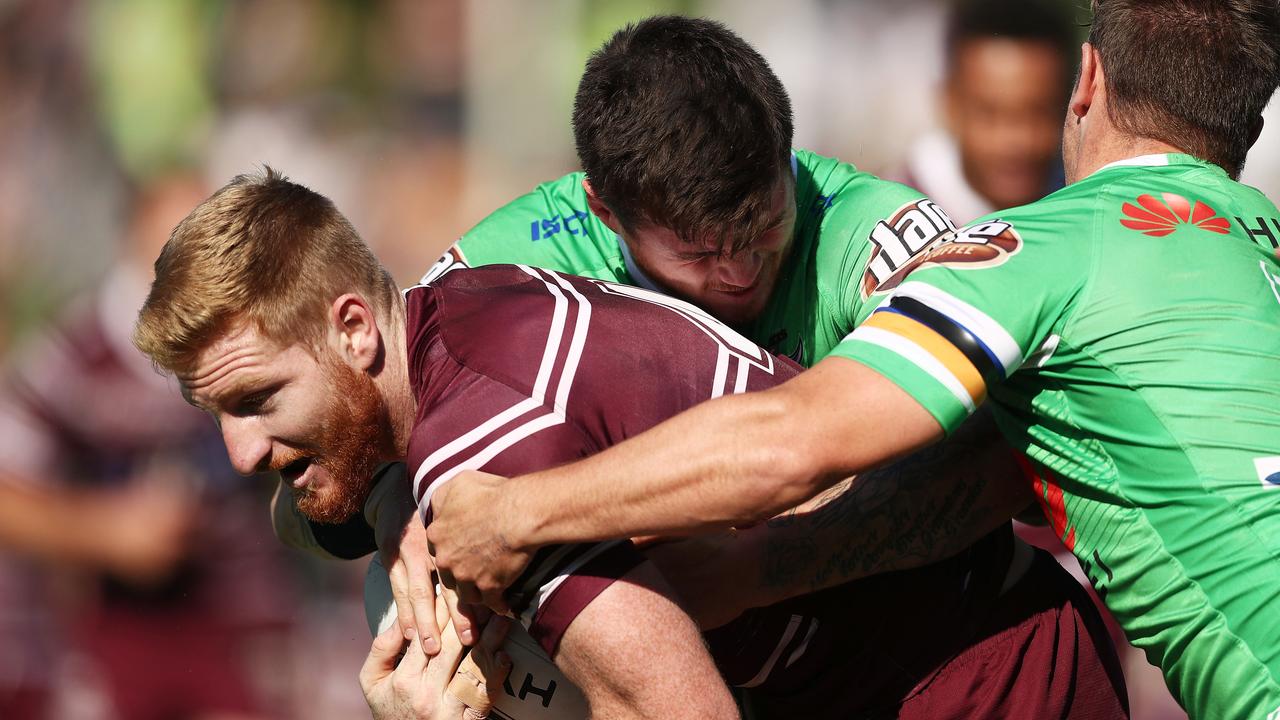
[294, 471]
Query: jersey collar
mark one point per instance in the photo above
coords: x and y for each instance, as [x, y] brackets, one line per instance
[1156, 160]
[633, 269]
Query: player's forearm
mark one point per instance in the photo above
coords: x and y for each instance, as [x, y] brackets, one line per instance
[731, 461]
[920, 510]
[727, 462]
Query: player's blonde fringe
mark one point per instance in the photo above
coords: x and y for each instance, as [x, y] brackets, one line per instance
[262, 251]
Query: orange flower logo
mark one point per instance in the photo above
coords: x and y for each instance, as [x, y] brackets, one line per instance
[1157, 218]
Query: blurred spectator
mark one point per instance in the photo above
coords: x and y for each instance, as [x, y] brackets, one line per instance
[1008, 69]
[148, 61]
[105, 468]
[280, 67]
[60, 193]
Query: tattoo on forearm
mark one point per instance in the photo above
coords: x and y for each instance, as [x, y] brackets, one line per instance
[922, 509]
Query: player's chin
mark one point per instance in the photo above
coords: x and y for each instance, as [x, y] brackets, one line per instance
[330, 504]
[738, 309]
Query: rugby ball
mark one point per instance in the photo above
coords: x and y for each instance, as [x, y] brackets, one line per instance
[535, 690]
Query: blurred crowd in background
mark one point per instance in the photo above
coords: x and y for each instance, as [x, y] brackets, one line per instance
[139, 577]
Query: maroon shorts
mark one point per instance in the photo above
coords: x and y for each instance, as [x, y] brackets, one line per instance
[914, 645]
[1044, 646]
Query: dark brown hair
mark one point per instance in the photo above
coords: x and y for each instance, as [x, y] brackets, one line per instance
[1195, 74]
[1049, 22]
[680, 123]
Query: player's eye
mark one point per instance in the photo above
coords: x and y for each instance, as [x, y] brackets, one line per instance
[255, 403]
[697, 256]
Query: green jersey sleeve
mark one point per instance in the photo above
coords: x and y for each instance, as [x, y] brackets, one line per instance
[551, 227]
[855, 237]
[969, 312]
[888, 239]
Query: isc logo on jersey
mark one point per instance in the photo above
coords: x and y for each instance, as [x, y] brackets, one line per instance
[977, 246]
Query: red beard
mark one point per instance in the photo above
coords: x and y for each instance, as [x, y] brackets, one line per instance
[355, 435]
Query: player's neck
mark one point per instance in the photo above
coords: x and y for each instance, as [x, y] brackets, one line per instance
[1115, 146]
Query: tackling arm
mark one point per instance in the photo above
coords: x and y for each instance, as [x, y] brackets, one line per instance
[920, 510]
[731, 461]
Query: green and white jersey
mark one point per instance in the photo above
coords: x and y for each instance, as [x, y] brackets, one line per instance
[854, 235]
[1127, 330]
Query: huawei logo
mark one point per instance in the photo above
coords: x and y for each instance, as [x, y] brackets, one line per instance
[1159, 217]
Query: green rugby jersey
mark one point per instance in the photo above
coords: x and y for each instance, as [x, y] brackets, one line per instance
[854, 235]
[1127, 330]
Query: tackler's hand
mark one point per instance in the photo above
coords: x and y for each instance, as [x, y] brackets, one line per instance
[470, 536]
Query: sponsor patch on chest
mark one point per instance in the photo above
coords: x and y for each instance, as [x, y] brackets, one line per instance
[897, 241]
[982, 245]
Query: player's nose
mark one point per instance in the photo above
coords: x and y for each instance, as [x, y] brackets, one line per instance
[741, 270]
[247, 447]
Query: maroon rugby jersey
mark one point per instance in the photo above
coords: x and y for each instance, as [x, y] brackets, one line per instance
[517, 369]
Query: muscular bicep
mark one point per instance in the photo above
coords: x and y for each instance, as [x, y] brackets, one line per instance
[636, 654]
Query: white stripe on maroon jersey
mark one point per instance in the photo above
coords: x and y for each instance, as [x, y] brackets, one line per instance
[551, 585]
[727, 338]
[545, 382]
[765, 670]
[722, 372]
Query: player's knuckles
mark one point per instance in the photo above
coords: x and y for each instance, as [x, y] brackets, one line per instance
[490, 585]
[443, 559]
[490, 667]
[406, 684]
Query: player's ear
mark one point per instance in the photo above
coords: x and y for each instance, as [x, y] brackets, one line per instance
[354, 326]
[1088, 82]
[1255, 132]
[599, 209]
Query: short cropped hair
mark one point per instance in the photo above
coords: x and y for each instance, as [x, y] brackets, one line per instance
[261, 250]
[1195, 74]
[680, 123]
[1048, 22]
